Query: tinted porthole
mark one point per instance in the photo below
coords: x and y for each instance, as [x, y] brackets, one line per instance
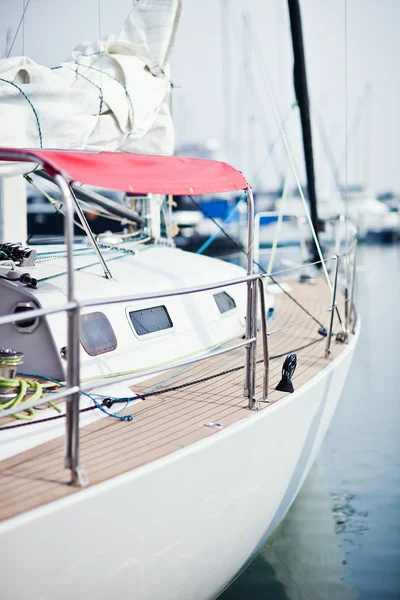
[97, 334]
[150, 320]
[224, 302]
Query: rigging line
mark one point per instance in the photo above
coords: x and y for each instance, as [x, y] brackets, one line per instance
[227, 220]
[359, 116]
[226, 71]
[346, 200]
[327, 147]
[32, 107]
[273, 144]
[23, 28]
[258, 112]
[101, 96]
[240, 247]
[18, 28]
[291, 160]
[280, 220]
[99, 42]
[79, 64]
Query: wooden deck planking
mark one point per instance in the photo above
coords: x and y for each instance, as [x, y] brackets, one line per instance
[169, 421]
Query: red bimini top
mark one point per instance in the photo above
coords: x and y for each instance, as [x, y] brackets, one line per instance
[134, 173]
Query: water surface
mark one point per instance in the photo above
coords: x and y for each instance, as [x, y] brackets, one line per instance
[341, 537]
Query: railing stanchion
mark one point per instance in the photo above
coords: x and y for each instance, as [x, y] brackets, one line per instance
[251, 324]
[333, 306]
[353, 280]
[264, 335]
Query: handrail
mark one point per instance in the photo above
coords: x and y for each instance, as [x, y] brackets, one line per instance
[168, 293]
[38, 312]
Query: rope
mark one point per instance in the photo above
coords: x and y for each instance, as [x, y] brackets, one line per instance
[23, 385]
[88, 80]
[101, 71]
[30, 104]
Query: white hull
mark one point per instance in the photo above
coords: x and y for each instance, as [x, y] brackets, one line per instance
[181, 527]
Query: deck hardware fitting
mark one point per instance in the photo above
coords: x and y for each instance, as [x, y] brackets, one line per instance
[342, 337]
[80, 478]
[10, 360]
[288, 369]
[256, 404]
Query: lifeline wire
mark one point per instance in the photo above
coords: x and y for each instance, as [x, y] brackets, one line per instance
[290, 157]
[18, 28]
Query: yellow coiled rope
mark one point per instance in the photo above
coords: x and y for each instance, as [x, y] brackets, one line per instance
[24, 396]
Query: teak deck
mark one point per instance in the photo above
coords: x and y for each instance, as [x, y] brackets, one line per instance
[174, 419]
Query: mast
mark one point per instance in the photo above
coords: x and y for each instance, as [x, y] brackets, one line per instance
[300, 86]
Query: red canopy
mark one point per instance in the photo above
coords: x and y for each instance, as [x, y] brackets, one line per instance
[135, 173]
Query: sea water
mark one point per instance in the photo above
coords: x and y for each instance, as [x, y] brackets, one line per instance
[341, 538]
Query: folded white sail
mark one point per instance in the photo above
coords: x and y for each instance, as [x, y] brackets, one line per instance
[111, 94]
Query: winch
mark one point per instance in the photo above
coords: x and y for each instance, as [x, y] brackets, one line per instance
[10, 360]
[23, 256]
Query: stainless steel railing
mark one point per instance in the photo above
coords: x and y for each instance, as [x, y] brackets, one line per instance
[255, 293]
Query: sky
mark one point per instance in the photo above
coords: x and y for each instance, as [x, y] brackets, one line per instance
[227, 50]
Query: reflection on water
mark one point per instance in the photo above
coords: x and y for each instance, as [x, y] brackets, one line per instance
[341, 538]
[303, 560]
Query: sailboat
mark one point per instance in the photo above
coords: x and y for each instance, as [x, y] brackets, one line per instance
[155, 425]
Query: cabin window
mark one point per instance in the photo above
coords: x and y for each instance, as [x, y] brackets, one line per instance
[150, 320]
[97, 334]
[224, 302]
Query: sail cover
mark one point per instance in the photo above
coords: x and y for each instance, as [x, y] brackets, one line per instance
[111, 94]
[135, 173]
